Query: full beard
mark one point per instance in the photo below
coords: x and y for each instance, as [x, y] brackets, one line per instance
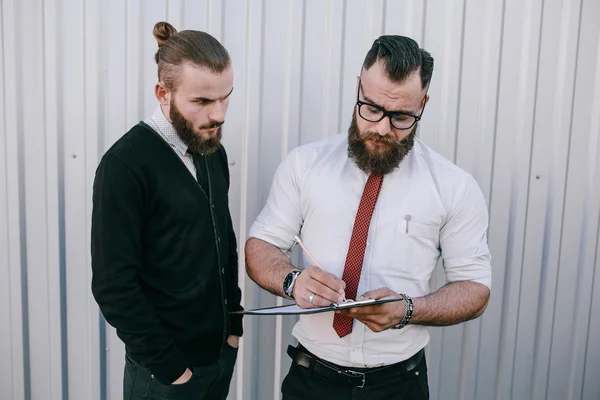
[194, 141]
[377, 163]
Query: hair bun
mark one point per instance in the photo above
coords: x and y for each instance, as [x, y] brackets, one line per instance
[162, 32]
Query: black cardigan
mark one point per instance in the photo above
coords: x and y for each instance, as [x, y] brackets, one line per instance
[164, 255]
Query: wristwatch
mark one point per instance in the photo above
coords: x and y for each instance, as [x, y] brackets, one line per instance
[289, 281]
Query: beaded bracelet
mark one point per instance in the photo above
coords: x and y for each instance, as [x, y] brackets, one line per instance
[408, 311]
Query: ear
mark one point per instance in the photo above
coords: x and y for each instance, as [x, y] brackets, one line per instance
[424, 102]
[162, 93]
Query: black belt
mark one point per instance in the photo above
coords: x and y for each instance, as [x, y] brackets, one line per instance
[347, 376]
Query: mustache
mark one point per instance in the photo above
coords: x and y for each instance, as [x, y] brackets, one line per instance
[379, 139]
[212, 124]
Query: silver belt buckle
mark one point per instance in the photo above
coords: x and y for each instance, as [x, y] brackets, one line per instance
[357, 374]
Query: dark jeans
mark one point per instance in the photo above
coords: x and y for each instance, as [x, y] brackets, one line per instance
[301, 384]
[209, 382]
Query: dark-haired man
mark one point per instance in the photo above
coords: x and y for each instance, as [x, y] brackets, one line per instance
[164, 254]
[377, 208]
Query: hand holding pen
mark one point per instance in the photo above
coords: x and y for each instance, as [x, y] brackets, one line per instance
[316, 287]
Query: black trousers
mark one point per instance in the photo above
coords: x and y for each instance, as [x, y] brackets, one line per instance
[302, 384]
[209, 382]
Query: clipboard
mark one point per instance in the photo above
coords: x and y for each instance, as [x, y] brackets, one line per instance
[293, 309]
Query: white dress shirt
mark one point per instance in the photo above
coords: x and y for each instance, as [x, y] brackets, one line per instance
[165, 129]
[316, 191]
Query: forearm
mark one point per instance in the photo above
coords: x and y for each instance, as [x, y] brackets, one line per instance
[267, 265]
[452, 304]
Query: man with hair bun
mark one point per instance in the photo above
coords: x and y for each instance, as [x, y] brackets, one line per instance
[164, 252]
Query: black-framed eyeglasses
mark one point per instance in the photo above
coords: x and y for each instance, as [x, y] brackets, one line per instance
[374, 113]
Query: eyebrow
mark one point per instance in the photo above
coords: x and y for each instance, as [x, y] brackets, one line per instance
[207, 99]
[368, 100]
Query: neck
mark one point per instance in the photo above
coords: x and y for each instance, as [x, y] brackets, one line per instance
[165, 110]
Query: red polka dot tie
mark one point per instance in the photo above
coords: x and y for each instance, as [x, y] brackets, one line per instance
[356, 252]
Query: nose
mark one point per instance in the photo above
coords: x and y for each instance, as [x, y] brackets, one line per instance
[383, 127]
[217, 111]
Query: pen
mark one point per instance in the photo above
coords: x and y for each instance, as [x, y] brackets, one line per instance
[314, 261]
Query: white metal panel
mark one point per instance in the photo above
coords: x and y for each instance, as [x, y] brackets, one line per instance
[581, 212]
[71, 98]
[15, 379]
[5, 300]
[445, 45]
[515, 100]
[43, 310]
[549, 154]
[56, 300]
[591, 383]
[94, 96]
[516, 110]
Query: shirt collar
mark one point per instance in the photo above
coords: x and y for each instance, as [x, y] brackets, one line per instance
[167, 131]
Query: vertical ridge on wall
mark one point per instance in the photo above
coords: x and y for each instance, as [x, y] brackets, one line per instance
[590, 382]
[19, 233]
[94, 126]
[31, 189]
[515, 108]
[56, 306]
[341, 58]
[14, 366]
[490, 327]
[5, 294]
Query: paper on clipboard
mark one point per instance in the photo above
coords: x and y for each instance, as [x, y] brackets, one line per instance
[293, 309]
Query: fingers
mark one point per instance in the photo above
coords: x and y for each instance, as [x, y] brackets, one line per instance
[375, 322]
[317, 301]
[380, 293]
[303, 296]
[324, 292]
[303, 300]
[381, 316]
[327, 279]
[326, 287]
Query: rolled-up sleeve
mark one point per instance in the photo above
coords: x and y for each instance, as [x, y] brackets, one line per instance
[463, 238]
[281, 218]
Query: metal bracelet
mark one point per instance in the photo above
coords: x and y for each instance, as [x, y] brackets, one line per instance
[408, 311]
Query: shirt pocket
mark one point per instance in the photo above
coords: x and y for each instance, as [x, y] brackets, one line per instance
[416, 248]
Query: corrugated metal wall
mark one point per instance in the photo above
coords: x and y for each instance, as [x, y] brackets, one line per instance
[515, 100]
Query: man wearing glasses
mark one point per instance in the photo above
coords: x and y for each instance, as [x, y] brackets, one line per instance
[378, 209]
